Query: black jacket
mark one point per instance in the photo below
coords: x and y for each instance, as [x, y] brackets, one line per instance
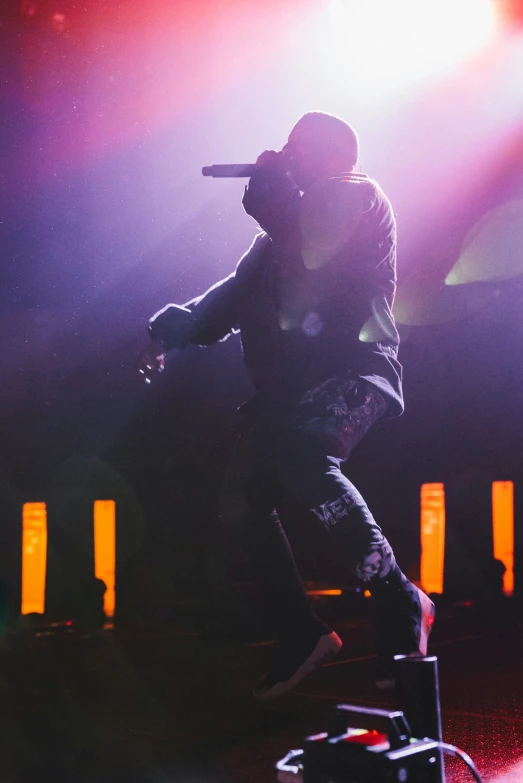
[316, 308]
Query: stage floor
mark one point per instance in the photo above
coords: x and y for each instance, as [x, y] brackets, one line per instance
[172, 707]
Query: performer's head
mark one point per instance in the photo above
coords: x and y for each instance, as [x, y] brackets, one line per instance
[320, 145]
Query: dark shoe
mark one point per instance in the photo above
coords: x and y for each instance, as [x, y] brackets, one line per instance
[404, 630]
[292, 666]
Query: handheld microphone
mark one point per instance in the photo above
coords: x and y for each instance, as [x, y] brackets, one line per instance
[229, 170]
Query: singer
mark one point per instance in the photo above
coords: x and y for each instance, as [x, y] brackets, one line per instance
[312, 299]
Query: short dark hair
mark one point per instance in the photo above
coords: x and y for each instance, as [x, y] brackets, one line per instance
[340, 133]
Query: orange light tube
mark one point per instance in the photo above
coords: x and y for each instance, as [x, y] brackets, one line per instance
[432, 537]
[34, 557]
[105, 550]
[503, 529]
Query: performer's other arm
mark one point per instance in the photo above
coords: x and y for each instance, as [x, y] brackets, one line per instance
[204, 320]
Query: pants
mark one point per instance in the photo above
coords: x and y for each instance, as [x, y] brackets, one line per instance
[302, 452]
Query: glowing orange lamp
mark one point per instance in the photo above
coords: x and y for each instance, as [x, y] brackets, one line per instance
[503, 529]
[432, 537]
[34, 557]
[105, 550]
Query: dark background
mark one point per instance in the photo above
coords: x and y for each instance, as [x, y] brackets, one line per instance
[108, 111]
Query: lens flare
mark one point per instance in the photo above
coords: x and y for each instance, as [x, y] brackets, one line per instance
[492, 250]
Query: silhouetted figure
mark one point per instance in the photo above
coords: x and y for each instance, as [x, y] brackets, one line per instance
[312, 299]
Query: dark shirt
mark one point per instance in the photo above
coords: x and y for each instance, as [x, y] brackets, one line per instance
[312, 309]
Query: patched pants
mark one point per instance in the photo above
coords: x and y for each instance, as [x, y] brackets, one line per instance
[302, 452]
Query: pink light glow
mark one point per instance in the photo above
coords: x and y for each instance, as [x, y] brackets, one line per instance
[143, 67]
[167, 87]
[59, 22]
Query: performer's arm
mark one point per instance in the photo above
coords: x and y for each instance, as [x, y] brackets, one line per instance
[203, 321]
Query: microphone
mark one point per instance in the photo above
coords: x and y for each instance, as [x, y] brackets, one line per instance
[229, 170]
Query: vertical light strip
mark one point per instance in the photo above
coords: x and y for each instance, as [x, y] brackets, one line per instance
[503, 529]
[34, 557]
[432, 537]
[105, 550]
